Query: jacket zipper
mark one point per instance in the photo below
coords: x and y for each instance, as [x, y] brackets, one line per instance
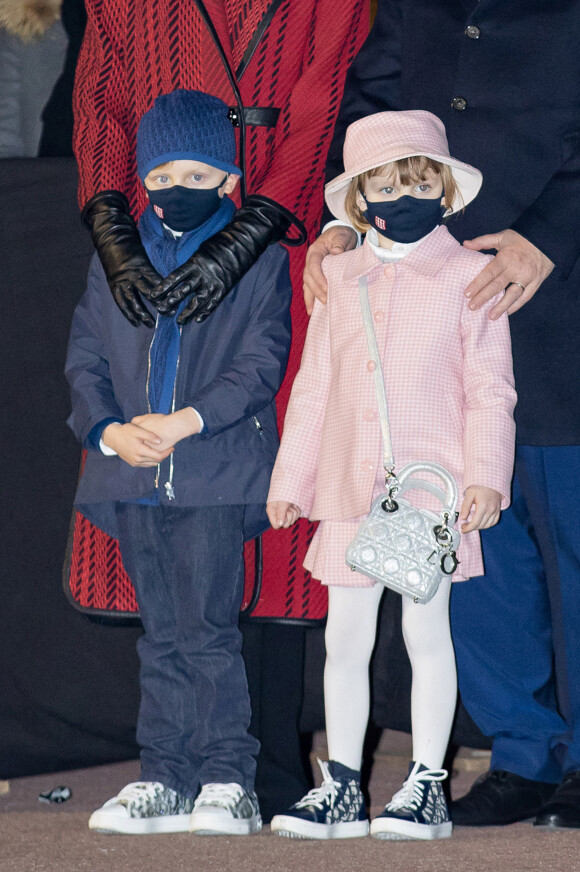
[258, 426]
[158, 472]
[169, 491]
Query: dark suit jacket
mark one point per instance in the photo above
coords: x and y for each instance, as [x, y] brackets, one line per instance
[504, 76]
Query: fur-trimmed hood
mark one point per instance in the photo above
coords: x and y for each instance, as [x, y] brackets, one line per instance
[29, 19]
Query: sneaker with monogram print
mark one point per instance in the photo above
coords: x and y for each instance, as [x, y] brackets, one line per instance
[143, 807]
[225, 810]
[418, 810]
[335, 810]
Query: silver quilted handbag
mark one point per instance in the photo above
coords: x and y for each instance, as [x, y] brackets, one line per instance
[407, 549]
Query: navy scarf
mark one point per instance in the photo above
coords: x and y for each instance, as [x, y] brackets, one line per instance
[166, 253]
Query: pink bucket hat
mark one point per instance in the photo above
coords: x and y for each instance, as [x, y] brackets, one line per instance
[388, 136]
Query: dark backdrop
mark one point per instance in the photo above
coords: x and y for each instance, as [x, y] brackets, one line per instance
[68, 685]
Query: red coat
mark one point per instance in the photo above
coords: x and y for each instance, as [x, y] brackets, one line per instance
[134, 51]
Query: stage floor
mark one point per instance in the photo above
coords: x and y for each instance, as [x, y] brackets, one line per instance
[37, 837]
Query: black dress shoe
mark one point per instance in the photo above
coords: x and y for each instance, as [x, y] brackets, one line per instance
[563, 808]
[499, 797]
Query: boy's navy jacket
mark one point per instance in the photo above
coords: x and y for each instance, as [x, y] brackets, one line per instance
[230, 369]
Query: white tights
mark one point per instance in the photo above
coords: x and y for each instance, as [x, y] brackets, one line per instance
[350, 638]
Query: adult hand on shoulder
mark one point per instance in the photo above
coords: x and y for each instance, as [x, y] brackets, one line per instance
[129, 272]
[282, 514]
[222, 260]
[484, 505]
[135, 445]
[518, 267]
[335, 240]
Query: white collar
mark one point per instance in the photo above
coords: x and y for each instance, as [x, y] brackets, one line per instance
[399, 249]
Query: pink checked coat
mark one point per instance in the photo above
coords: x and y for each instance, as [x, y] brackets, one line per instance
[449, 383]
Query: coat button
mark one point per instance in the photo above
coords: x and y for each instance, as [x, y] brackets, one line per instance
[369, 415]
[459, 103]
[472, 31]
[379, 316]
[367, 466]
[371, 366]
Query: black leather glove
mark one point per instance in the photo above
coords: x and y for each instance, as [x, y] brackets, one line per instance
[129, 272]
[220, 262]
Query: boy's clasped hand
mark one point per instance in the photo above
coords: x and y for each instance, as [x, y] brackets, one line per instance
[149, 439]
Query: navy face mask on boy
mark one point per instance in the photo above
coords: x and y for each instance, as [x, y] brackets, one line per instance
[185, 209]
[406, 219]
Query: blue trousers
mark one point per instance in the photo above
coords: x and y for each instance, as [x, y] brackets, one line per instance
[516, 630]
[186, 565]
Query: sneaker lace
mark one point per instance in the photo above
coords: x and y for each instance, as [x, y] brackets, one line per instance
[326, 793]
[223, 795]
[411, 793]
[139, 791]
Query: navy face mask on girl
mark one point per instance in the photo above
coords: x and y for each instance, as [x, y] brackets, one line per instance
[185, 209]
[406, 219]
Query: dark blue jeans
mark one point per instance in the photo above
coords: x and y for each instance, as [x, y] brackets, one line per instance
[186, 565]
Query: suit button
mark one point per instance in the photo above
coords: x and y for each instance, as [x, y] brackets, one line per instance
[367, 466]
[369, 415]
[459, 103]
[379, 316]
[472, 31]
[371, 366]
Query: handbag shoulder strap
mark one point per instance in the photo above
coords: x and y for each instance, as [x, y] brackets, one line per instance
[388, 459]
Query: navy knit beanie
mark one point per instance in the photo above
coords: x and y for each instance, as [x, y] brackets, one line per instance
[186, 125]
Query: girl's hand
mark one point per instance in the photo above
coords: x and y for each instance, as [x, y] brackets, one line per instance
[282, 514]
[484, 504]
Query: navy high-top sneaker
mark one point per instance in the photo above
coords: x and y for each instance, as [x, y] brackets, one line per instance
[418, 810]
[335, 810]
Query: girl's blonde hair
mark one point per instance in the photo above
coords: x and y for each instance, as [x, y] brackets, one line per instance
[407, 170]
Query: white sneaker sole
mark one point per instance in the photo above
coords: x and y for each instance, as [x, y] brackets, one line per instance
[393, 829]
[296, 828]
[102, 821]
[214, 825]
